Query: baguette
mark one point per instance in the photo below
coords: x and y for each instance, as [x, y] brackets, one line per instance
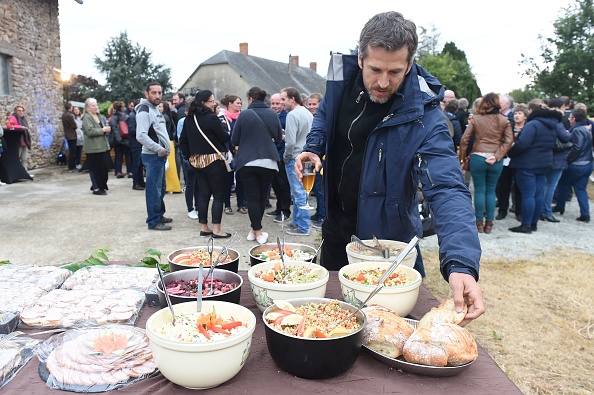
[385, 332]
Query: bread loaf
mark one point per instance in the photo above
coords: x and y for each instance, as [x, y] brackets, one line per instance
[385, 332]
[439, 341]
[440, 345]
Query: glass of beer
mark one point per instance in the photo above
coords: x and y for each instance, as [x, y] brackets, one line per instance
[308, 179]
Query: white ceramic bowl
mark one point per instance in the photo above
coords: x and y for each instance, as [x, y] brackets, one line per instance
[201, 365]
[401, 299]
[264, 292]
[393, 245]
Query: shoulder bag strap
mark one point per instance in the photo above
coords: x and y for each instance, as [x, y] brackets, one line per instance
[206, 138]
[266, 126]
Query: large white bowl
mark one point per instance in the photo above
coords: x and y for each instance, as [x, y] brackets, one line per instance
[409, 260]
[201, 365]
[401, 299]
[264, 292]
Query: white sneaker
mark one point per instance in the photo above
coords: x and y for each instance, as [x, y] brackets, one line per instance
[251, 236]
[592, 178]
[2, 183]
[193, 214]
[78, 167]
[262, 238]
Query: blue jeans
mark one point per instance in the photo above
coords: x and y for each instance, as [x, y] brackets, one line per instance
[577, 177]
[551, 180]
[191, 193]
[155, 188]
[300, 215]
[484, 179]
[531, 183]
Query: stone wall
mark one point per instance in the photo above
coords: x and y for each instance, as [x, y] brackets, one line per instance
[30, 36]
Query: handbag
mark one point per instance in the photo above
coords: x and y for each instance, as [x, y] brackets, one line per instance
[123, 129]
[228, 158]
[466, 164]
[561, 146]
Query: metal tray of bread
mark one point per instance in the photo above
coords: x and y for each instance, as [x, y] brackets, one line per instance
[410, 367]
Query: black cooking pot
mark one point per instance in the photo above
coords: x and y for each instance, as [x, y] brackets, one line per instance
[314, 358]
[225, 276]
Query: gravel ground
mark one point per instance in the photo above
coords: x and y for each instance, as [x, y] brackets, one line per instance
[55, 219]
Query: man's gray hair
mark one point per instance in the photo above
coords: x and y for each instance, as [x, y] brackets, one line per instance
[391, 32]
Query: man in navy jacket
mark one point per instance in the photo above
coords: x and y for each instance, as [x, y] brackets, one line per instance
[382, 130]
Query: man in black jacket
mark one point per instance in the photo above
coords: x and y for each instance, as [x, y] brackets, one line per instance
[179, 101]
[138, 183]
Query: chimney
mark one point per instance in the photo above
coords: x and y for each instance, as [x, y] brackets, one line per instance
[313, 66]
[295, 60]
[243, 48]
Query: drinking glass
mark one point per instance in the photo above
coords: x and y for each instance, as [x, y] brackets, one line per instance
[308, 179]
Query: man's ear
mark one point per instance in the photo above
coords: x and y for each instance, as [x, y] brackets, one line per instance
[360, 61]
[409, 67]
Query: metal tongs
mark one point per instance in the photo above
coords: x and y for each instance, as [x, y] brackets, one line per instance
[377, 251]
[413, 242]
[166, 294]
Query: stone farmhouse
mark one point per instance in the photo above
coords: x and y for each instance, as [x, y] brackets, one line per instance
[29, 72]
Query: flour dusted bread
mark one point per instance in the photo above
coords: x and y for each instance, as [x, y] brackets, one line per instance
[440, 345]
[439, 341]
[385, 332]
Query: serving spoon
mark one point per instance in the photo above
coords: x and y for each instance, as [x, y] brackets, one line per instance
[166, 294]
[282, 255]
[411, 244]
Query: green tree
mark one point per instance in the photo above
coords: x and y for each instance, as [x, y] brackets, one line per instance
[525, 95]
[567, 67]
[451, 68]
[127, 68]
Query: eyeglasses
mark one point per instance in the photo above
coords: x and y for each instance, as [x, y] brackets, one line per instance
[211, 101]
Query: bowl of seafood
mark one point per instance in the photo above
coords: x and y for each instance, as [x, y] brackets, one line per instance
[400, 291]
[294, 279]
[313, 338]
[203, 349]
[191, 257]
[182, 286]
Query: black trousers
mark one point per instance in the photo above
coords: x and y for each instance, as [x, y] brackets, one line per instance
[506, 186]
[71, 154]
[99, 169]
[211, 181]
[255, 181]
[282, 190]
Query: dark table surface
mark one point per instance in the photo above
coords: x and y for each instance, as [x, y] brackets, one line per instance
[260, 375]
[11, 169]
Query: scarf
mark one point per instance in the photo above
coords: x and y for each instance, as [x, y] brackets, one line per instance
[232, 116]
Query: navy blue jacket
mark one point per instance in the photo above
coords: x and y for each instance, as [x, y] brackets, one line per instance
[256, 139]
[560, 157]
[533, 148]
[411, 144]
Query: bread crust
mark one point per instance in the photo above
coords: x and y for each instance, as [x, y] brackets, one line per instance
[385, 331]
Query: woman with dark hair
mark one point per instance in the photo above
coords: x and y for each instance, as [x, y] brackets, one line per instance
[121, 145]
[256, 132]
[493, 137]
[201, 131]
[232, 105]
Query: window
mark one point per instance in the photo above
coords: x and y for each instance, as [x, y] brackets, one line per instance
[4, 75]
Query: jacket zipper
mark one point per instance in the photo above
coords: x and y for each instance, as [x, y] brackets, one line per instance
[349, 137]
[422, 161]
[377, 169]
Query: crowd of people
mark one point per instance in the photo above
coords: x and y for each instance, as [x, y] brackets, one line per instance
[386, 128]
[536, 153]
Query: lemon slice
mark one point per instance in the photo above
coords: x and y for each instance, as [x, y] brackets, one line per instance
[284, 305]
[318, 271]
[339, 331]
[293, 319]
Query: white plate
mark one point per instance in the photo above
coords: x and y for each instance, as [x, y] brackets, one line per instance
[425, 370]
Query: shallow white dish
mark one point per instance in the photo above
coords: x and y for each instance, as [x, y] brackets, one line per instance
[394, 246]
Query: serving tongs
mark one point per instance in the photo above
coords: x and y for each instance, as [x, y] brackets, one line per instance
[199, 285]
[282, 255]
[372, 250]
[166, 294]
[383, 278]
[222, 256]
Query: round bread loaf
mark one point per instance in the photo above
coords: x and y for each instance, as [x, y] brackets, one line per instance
[385, 331]
[440, 344]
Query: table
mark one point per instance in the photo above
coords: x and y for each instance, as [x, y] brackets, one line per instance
[11, 169]
[260, 375]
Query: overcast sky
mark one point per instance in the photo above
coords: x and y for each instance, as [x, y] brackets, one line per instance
[183, 33]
